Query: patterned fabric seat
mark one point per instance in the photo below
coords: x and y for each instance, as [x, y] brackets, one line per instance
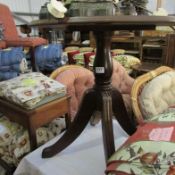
[27, 91]
[14, 139]
[150, 151]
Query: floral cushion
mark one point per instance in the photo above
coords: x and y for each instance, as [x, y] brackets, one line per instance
[150, 151]
[31, 89]
[14, 139]
[164, 117]
[127, 61]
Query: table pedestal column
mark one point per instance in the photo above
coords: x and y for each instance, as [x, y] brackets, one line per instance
[102, 97]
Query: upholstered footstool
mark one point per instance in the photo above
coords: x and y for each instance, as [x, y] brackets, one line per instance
[36, 104]
[15, 142]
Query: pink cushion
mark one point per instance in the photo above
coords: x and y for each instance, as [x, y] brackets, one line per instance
[77, 80]
[120, 78]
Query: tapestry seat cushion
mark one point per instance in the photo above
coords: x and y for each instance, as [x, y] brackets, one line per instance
[31, 90]
[150, 151]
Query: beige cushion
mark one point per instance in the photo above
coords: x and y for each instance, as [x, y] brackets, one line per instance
[158, 95]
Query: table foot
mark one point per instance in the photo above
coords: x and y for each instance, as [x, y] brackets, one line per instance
[82, 117]
[120, 112]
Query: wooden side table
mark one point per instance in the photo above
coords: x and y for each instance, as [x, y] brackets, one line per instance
[33, 119]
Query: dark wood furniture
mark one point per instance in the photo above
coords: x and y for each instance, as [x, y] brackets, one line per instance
[143, 68]
[33, 119]
[102, 97]
[170, 51]
[132, 45]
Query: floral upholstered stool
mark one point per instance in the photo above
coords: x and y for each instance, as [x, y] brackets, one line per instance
[15, 142]
[36, 103]
[150, 151]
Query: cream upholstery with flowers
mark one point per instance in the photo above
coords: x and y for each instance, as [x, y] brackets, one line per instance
[14, 139]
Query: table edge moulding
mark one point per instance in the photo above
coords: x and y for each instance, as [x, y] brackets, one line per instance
[102, 97]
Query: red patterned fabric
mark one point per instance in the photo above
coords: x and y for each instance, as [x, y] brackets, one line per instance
[144, 130]
[70, 55]
[150, 149]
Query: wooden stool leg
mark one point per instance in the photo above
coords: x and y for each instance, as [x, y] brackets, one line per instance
[68, 120]
[32, 137]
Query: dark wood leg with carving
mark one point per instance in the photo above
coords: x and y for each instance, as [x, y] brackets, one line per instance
[120, 112]
[107, 127]
[82, 118]
[100, 98]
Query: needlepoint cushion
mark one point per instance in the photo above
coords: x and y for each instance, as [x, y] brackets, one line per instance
[31, 90]
[149, 151]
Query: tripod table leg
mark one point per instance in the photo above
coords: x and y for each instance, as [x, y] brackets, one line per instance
[83, 115]
[120, 112]
[107, 127]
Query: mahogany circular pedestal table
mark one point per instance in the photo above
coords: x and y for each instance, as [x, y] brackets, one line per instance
[102, 97]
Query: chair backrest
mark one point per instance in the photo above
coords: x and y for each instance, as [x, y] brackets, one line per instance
[78, 79]
[6, 18]
[149, 93]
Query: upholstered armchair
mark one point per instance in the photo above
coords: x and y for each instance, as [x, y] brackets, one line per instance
[78, 79]
[11, 36]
